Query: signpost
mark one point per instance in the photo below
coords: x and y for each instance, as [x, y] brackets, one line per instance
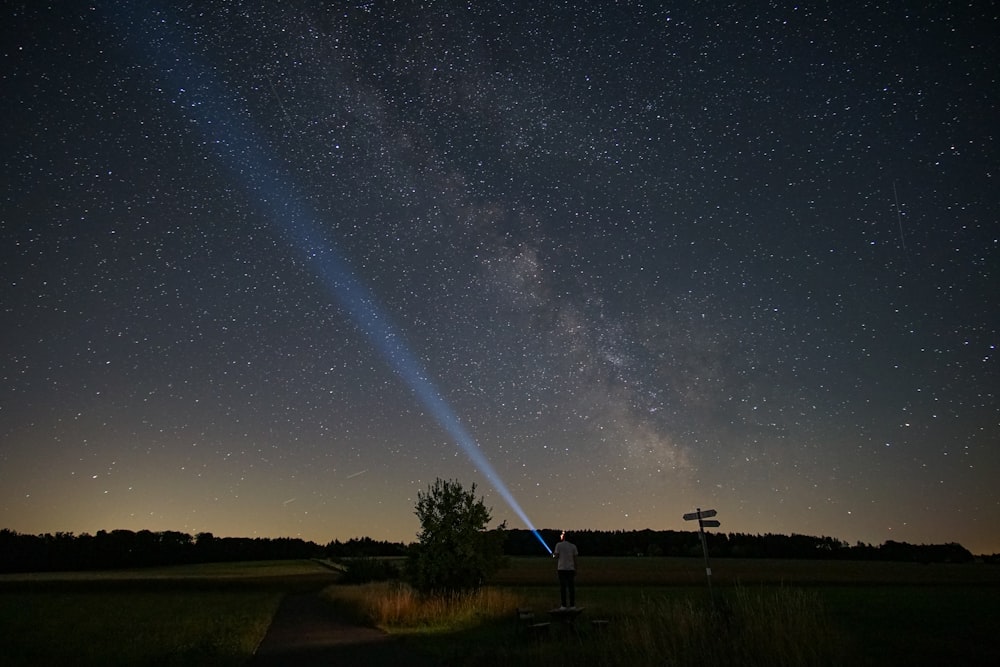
[701, 516]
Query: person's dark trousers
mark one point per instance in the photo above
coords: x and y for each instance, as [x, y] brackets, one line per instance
[567, 586]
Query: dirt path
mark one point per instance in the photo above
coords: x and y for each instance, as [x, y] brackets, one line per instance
[307, 632]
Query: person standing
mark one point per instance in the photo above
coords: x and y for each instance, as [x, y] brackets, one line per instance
[566, 554]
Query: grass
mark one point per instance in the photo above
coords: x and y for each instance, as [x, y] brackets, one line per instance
[399, 609]
[771, 626]
[134, 627]
[918, 625]
[279, 572]
[766, 612]
[745, 571]
[659, 612]
[193, 615]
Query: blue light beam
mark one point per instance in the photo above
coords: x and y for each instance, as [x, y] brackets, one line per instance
[235, 144]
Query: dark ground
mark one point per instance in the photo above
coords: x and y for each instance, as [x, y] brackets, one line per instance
[307, 632]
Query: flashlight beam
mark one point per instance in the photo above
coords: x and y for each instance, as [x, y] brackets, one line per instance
[231, 136]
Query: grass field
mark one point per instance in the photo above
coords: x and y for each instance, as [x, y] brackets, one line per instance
[854, 613]
[746, 571]
[779, 612]
[192, 615]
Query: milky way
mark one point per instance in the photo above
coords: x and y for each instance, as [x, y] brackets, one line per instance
[652, 259]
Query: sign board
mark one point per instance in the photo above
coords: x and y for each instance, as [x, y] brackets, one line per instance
[701, 515]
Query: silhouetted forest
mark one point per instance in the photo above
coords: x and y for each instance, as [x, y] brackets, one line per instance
[734, 545]
[130, 549]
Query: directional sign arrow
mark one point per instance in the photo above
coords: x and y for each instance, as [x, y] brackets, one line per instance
[701, 514]
[711, 523]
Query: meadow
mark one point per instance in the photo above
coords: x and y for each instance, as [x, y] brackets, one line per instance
[658, 611]
[762, 612]
[213, 614]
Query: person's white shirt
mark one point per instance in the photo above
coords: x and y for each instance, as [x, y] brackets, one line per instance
[566, 552]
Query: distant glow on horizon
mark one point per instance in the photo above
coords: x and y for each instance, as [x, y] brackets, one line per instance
[284, 206]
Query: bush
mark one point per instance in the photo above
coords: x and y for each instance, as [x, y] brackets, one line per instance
[364, 570]
[455, 552]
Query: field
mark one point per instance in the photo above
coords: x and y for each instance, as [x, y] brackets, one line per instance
[883, 613]
[769, 612]
[855, 613]
[190, 615]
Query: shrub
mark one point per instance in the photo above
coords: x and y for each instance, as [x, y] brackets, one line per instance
[455, 552]
[364, 570]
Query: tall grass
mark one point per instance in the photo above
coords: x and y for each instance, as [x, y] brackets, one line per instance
[773, 627]
[748, 627]
[397, 607]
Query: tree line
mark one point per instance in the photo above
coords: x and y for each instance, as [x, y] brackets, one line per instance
[735, 545]
[118, 549]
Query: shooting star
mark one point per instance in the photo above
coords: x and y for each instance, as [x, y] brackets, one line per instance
[353, 475]
[899, 216]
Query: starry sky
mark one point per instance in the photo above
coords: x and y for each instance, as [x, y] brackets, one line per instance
[265, 264]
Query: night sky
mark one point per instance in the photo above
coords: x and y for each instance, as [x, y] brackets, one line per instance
[265, 264]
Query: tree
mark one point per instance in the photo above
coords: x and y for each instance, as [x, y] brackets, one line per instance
[455, 552]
